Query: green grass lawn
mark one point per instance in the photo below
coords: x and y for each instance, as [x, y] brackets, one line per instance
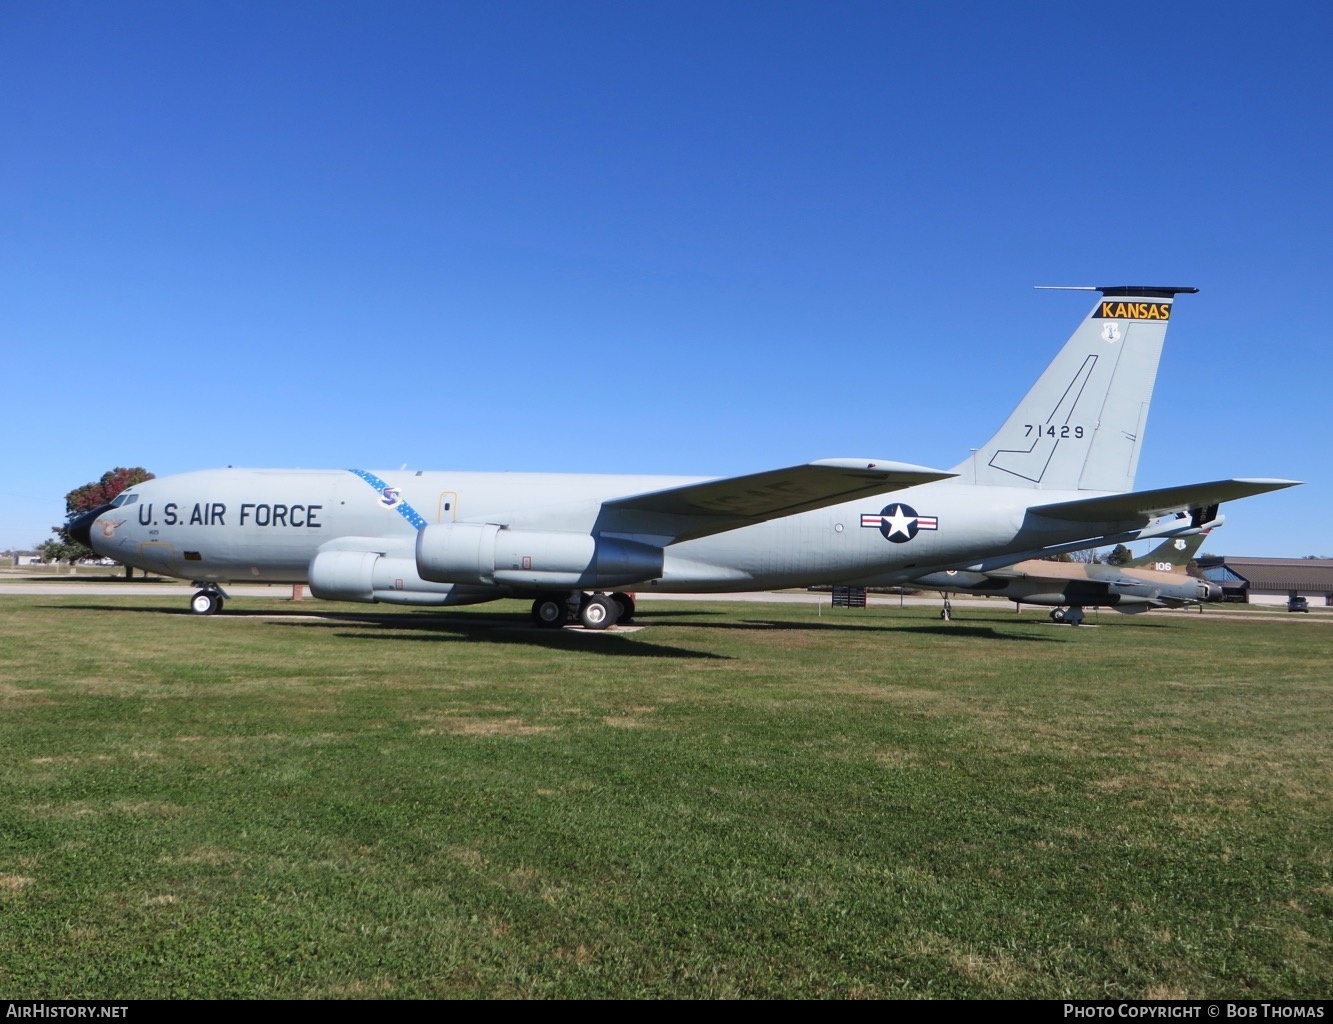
[738, 800]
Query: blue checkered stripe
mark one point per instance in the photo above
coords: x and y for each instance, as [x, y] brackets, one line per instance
[402, 508]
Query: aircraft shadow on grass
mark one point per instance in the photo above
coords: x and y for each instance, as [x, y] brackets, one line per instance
[507, 631]
[434, 628]
[973, 632]
[515, 628]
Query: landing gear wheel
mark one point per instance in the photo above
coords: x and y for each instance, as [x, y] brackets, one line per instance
[626, 603]
[598, 612]
[1074, 616]
[1057, 615]
[550, 612]
[946, 613]
[206, 602]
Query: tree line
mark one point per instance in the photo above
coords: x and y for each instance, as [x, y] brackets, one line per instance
[64, 548]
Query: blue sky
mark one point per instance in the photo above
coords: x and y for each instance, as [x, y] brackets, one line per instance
[651, 237]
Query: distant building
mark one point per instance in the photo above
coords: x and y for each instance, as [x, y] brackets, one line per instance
[1270, 580]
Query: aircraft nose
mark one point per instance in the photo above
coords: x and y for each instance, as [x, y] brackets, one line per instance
[81, 529]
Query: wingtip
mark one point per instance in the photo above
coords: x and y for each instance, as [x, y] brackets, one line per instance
[1271, 482]
[887, 467]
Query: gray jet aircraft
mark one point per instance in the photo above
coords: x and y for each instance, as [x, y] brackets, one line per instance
[1158, 579]
[1056, 476]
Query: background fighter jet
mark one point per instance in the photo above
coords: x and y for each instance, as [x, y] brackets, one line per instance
[1056, 476]
[1159, 579]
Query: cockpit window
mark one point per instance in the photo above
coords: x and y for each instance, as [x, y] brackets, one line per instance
[124, 499]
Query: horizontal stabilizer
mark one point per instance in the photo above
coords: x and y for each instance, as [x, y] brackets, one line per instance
[1114, 508]
[733, 502]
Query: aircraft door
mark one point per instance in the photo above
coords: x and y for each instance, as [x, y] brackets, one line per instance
[447, 507]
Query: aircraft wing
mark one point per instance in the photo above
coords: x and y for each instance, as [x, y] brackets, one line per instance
[1027, 570]
[1114, 508]
[714, 506]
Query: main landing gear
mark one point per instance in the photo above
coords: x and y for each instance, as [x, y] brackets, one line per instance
[208, 601]
[593, 611]
[946, 613]
[1071, 617]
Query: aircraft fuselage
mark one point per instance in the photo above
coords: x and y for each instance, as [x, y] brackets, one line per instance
[1055, 584]
[1057, 475]
[269, 525]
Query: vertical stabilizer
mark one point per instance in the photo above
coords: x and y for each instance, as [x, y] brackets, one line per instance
[1172, 555]
[1081, 426]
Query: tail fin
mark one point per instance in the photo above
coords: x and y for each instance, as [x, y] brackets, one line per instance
[1081, 425]
[1172, 556]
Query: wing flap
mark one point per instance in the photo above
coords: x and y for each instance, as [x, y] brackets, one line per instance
[1113, 508]
[714, 506]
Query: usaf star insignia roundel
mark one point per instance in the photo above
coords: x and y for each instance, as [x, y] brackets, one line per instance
[899, 523]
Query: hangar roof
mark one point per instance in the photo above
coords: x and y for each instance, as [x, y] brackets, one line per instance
[1311, 575]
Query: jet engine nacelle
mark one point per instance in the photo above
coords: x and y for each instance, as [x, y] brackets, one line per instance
[368, 576]
[483, 553]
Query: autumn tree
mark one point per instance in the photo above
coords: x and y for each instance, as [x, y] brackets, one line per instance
[1120, 556]
[64, 548]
